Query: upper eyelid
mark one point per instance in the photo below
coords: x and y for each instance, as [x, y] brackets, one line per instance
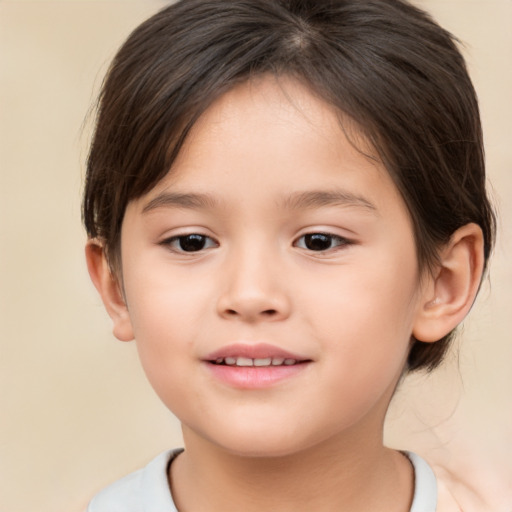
[174, 233]
[183, 235]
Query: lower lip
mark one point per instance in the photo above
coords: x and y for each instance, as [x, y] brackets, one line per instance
[255, 377]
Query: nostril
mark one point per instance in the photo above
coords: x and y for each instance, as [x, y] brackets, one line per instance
[266, 312]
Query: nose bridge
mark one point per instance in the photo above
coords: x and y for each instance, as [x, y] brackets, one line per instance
[252, 285]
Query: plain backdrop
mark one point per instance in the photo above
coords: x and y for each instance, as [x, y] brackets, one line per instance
[76, 410]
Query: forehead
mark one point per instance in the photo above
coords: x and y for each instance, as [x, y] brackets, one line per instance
[252, 113]
[274, 135]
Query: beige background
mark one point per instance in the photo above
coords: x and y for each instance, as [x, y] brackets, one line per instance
[76, 411]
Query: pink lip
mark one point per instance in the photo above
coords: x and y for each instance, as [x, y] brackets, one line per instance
[254, 377]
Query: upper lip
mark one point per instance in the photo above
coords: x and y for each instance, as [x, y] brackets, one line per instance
[253, 351]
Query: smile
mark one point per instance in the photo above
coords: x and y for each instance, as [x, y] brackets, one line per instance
[255, 366]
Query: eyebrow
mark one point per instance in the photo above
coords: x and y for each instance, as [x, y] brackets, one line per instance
[177, 200]
[320, 198]
[296, 201]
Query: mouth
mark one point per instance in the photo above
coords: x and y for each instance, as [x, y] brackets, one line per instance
[246, 366]
[257, 355]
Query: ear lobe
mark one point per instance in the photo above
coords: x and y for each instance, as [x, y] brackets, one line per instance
[109, 289]
[450, 293]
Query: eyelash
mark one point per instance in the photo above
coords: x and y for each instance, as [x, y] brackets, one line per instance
[204, 242]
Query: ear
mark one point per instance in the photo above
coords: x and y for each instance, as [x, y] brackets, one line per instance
[109, 289]
[451, 290]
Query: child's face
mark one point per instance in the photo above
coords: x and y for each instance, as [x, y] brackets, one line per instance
[272, 238]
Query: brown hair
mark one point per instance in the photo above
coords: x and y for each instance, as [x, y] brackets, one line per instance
[383, 63]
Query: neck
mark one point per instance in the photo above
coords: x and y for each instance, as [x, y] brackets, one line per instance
[340, 474]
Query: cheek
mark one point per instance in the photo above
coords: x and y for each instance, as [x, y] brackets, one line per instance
[364, 313]
[163, 301]
[166, 313]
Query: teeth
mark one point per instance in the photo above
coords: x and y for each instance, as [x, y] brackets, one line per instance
[263, 362]
[247, 361]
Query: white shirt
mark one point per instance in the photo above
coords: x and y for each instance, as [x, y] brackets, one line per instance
[147, 490]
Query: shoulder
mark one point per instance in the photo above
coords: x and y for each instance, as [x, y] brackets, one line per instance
[434, 488]
[425, 485]
[471, 491]
[145, 489]
[121, 496]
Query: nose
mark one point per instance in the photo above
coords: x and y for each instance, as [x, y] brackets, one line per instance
[253, 289]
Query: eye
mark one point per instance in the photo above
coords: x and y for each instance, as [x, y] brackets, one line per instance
[319, 242]
[190, 243]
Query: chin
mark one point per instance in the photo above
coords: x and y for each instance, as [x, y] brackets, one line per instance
[265, 450]
[262, 443]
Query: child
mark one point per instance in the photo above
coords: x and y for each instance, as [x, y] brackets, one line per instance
[286, 208]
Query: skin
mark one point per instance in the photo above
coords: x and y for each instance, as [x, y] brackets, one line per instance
[312, 441]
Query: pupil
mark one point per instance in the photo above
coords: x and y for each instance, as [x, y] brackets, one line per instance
[191, 243]
[317, 242]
